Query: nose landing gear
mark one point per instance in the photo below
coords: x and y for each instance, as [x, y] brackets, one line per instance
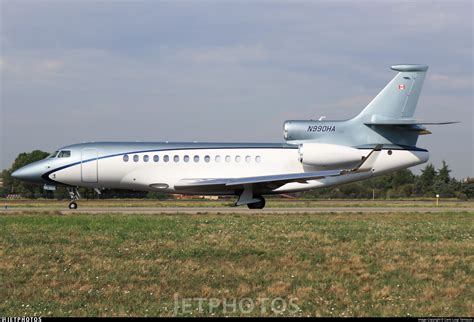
[74, 195]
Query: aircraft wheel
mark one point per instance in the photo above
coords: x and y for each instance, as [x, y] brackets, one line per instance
[72, 205]
[257, 205]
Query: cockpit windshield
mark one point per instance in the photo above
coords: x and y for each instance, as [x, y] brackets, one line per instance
[60, 154]
[64, 154]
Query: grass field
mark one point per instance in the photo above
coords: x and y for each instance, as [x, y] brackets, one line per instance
[327, 264]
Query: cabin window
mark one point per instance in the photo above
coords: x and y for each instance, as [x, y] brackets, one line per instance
[237, 158]
[248, 159]
[64, 154]
[196, 158]
[207, 158]
[176, 158]
[258, 159]
[218, 158]
[186, 158]
[227, 158]
[156, 158]
[146, 158]
[166, 158]
[135, 158]
[125, 158]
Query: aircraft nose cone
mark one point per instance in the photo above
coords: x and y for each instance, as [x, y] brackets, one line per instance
[28, 173]
[17, 174]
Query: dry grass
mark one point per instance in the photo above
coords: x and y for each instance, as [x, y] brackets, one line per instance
[271, 202]
[331, 265]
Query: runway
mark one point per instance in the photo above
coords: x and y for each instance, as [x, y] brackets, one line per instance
[236, 210]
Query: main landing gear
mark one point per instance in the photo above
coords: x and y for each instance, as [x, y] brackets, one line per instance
[247, 197]
[260, 204]
[74, 195]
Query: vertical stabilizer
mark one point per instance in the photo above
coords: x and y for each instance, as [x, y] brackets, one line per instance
[399, 98]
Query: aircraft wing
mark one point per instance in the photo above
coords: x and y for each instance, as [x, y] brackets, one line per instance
[277, 180]
[273, 180]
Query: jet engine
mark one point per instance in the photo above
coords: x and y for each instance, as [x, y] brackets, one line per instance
[329, 156]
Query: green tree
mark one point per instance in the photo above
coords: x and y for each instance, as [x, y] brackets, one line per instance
[402, 177]
[444, 185]
[158, 195]
[425, 182]
[443, 173]
[467, 188]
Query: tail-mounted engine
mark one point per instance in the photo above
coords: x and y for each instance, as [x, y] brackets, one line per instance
[308, 130]
[329, 156]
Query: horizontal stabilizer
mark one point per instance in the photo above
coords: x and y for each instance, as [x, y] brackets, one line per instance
[410, 68]
[406, 123]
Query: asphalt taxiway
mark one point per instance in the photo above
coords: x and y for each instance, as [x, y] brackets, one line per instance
[237, 210]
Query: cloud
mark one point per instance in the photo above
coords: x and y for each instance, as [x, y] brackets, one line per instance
[226, 55]
[19, 68]
[359, 101]
[51, 65]
[449, 82]
[153, 70]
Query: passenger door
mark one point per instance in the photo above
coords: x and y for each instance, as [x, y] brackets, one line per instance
[89, 166]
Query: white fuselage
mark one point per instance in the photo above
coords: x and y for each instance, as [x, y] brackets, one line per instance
[149, 170]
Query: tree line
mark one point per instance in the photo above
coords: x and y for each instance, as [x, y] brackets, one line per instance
[402, 184]
[399, 184]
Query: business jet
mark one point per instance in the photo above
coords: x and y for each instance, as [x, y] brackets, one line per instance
[316, 154]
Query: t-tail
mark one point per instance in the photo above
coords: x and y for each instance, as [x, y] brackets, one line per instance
[386, 120]
[397, 101]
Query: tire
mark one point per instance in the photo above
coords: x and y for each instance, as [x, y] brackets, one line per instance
[257, 205]
[72, 205]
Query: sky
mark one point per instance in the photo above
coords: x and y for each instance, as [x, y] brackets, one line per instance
[225, 71]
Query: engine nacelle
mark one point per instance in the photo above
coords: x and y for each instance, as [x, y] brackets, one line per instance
[329, 156]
